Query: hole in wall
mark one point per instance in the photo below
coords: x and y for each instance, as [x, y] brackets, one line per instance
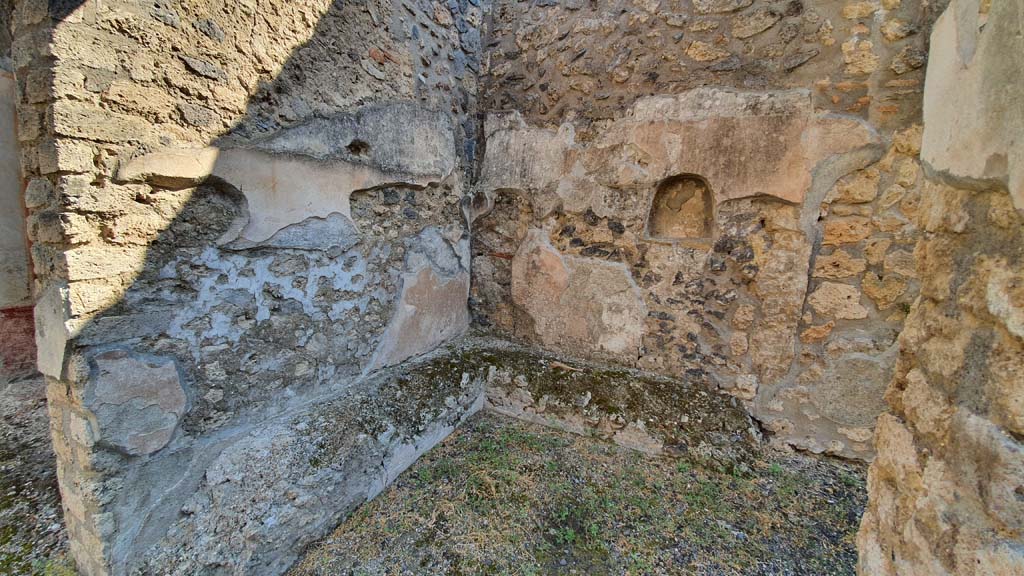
[358, 147]
[682, 209]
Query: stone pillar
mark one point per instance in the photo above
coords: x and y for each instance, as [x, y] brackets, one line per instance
[946, 492]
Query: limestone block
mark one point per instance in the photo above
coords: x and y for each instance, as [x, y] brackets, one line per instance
[840, 301]
[859, 56]
[972, 113]
[72, 119]
[846, 230]
[859, 10]
[838, 264]
[578, 305]
[65, 155]
[705, 52]
[743, 317]
[861, 188]
[816, 333]
[137, 402]
[100, 261]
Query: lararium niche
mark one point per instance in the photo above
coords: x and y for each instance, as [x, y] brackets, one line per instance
[682, 209]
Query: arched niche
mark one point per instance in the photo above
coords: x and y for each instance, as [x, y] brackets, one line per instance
[683, 208]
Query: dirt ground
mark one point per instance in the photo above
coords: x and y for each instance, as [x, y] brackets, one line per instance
[32, 536]
[501, 496]
[504, 497]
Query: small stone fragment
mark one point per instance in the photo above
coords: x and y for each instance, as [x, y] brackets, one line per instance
[838, 264]
[756, 22]
[884, 291]
[704, 52]
[841, 301]
[859, 57]
[717, 6]
[204, 68]
[846, 230]
[859, 10]
[817, 333]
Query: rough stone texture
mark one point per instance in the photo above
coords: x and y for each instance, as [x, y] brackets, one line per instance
[771, 299]
[945, 490]
[655, 415]
[241, 216]
[239, 200]
[734, 303]
[555, 61]
[266, 493]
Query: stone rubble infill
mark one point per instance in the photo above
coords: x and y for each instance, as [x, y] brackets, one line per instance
[32, 535]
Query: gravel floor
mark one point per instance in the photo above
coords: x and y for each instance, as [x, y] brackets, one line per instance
[32, 535]
[504, 497]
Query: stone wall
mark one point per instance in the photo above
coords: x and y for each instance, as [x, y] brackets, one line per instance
[240, 214]
[16, 351]
[946, 492]
[722, 189]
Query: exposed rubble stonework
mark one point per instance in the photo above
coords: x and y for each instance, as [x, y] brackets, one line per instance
[788, 296]
[752, 165]
[254, 229]
[945, 492]
[241, 216]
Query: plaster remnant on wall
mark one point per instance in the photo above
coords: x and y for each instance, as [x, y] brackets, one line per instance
[432, 306]
[310, 170]
[744, 144]
[973, 131]
[52, 332]
[15, 276]
[576, 305]
[137, 402]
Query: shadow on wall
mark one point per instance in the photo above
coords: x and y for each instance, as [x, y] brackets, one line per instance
[317, 238]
